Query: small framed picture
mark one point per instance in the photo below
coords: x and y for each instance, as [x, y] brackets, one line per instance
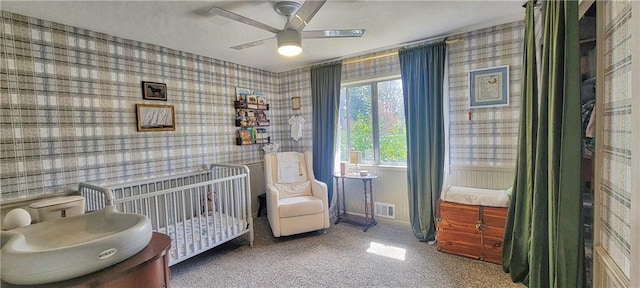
[489, 87]
[154, 91]
[295, 103]
[153, 117]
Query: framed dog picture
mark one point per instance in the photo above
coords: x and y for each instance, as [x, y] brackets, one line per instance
[154, 91]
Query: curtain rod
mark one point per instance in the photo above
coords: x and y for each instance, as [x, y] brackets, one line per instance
[535, 3]
[398, 46]
[395, 52]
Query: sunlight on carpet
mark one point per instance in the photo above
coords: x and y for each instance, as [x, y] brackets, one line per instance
[387, 251]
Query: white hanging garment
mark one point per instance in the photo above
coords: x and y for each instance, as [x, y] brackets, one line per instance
[296, 127]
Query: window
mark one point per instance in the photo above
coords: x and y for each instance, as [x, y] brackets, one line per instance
[372, 122]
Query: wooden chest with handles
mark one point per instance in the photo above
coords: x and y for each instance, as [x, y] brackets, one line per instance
[471, 231]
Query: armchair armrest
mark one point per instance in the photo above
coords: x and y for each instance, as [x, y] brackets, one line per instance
[273, 213]
[273, 198]
[319, 189]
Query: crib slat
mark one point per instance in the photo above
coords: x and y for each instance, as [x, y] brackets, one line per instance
[157, 216]
[191, 218]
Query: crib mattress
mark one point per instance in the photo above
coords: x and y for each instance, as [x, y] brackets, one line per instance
[190, 237]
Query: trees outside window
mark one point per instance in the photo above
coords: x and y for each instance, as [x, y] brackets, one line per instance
[372, 122]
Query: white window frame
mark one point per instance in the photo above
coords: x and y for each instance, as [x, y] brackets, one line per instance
[373, 82]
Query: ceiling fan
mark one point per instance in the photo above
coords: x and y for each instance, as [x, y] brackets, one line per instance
[290, 37]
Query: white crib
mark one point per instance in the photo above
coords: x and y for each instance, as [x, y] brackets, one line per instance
[177, 206]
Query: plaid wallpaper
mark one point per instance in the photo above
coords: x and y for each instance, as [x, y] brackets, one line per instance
[68, 108]
[295, 83]
[381, 64]
[490, 138]
[69, 95]
[615, 185]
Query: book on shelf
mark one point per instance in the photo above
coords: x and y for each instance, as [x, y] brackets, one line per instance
[245, 136]
[261, 135]
[261, 118]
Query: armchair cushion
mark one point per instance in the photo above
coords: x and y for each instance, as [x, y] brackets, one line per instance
[293, 189]
[300, 206]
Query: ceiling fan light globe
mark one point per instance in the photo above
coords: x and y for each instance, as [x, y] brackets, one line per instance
[289, 50]
[289, 43]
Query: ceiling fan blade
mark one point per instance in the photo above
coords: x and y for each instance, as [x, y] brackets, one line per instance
[251, 44]
[344, 33]
[305, 14]
[237, 17]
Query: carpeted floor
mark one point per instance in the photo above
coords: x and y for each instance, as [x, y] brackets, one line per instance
[337, 258]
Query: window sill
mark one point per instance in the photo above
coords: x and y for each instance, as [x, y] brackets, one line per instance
[387, 167]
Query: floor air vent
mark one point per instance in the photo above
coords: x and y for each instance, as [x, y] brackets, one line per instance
[385, 210]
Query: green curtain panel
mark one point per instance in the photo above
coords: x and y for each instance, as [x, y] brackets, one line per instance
[422, 71]
[515, 254]
[325, 97]
[547, 194]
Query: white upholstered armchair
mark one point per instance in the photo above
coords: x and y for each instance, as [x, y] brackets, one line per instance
[296, 201]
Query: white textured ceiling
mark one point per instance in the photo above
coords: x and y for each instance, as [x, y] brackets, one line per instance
[187, 26]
